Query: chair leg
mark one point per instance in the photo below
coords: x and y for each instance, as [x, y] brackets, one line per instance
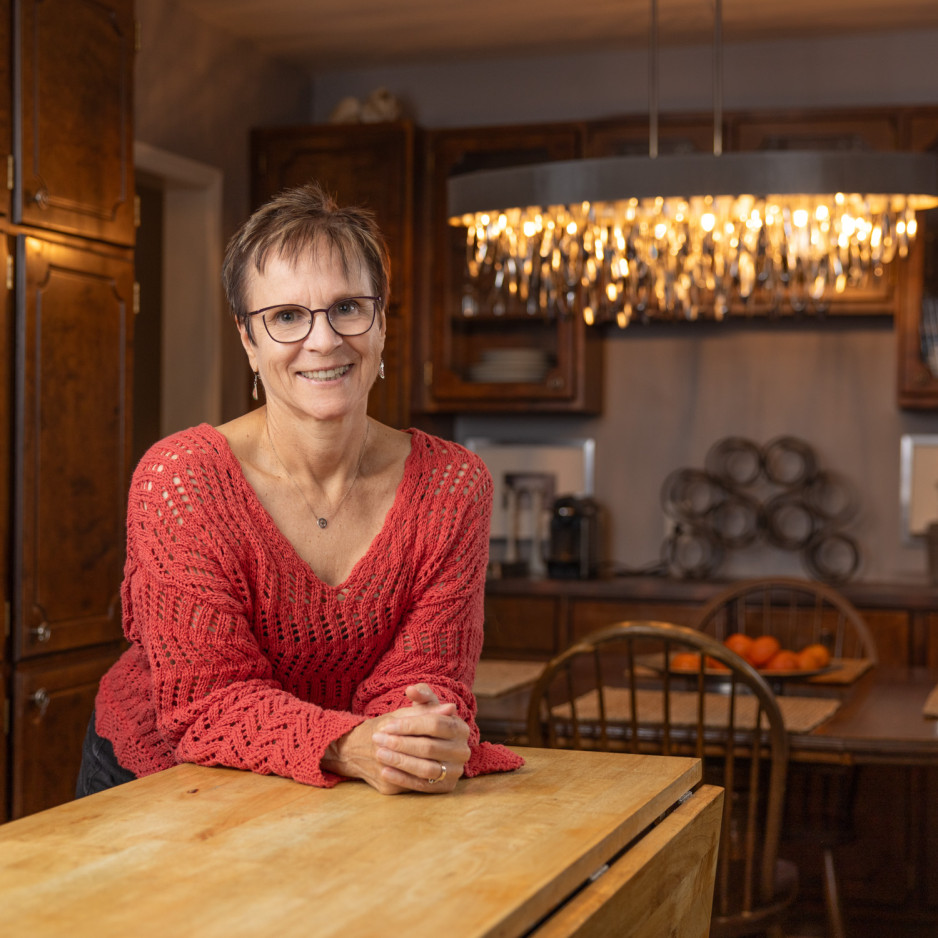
[835, 916]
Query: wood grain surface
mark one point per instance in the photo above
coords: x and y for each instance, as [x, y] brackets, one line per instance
[216, 852]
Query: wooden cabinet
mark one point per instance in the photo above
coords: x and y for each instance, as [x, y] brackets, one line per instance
[917, 313]
[66, 365]
[469, 335]
[73, 454]
[370, 165]
[527, 627]
[75, 169]
[630, 136]
[52, 702]
[6, 442]
[6, 117]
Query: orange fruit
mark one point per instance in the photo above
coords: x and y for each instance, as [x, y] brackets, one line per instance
[783, 660]
[739, 643]
[763, 650]
[685, 661]
[813, 657]
[714, 664]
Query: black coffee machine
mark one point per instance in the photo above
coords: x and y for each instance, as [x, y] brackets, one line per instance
[575, 538]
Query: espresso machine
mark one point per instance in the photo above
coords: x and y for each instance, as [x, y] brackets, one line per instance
[575, 538]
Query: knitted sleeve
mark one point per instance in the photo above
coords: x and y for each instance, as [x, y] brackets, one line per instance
[188, 603]
[439, 640]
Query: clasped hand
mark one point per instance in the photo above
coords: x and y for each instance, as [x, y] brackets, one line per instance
[406, 749]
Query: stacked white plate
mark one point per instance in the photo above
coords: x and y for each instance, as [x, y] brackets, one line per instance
[510, 364]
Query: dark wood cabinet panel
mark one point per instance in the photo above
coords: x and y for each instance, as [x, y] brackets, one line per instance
[587, 616]
[524, 628]
[75, 169]
[856, 130]
[6, 441]
[6, 101]
[456, 342]
[52, 702]
[73, 445]
[916, 328]
[630, 136]
[371, 165]
[4, 743]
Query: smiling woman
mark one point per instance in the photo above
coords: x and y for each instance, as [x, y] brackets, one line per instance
[304, 585]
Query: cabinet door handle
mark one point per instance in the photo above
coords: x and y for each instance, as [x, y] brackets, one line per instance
[41, 700]
[41, 633]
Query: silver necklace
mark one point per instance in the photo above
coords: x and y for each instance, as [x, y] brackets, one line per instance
[320, 520]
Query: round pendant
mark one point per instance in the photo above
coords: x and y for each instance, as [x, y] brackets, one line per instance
[322, 522]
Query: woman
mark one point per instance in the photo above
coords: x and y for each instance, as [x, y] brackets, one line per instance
[303, 588]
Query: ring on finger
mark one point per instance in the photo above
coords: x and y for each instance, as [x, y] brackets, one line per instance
[440, 777]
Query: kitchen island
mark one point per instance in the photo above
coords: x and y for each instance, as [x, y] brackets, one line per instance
[572, 843]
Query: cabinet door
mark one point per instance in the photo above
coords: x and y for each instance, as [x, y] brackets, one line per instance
[6, 122]
[52, 703]
[630, 136]
[73, 445]
[75, 171]
[479, 343]
[917, 314]
[6, 440]
[522, 627]
[370, 165]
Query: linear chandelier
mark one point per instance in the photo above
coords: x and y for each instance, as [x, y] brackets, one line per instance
[686, 236]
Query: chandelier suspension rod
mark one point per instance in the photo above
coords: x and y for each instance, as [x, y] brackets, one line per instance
[718, 78]
[653, 82]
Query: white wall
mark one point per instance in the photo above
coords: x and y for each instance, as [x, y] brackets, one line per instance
[671, 394]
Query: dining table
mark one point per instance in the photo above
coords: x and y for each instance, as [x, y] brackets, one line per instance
[572, 843]
[854, 713]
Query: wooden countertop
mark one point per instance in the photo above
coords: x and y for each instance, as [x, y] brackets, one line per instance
[216, 852]
[914, 593]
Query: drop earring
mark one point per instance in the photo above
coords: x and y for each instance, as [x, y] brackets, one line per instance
[254, 391]
[381, 368]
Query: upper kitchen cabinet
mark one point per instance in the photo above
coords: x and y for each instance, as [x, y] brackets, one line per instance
[73, 444]
[485, 347]
[631, 136]
[861, 130]
[917, 316]
[370, 165]
[74, 171]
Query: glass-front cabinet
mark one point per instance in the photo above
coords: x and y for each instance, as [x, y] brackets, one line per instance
[488, 346]
[917, 313]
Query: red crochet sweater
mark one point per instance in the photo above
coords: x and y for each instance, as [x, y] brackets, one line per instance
[240, 656]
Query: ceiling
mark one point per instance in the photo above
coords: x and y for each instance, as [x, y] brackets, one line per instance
[339, 35]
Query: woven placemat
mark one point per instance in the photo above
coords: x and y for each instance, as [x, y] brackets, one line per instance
[931, 704]
[495, 677]
[801, 714]
[844, 671]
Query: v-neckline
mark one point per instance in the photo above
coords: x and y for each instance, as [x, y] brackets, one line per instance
[257, 508]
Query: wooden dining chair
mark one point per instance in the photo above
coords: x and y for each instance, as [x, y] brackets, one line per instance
[799, 612]
[796, 611]
[618, 690]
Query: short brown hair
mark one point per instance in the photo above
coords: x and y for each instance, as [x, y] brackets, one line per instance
[294, 222]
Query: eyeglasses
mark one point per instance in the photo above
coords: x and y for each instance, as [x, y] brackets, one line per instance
[353, 315]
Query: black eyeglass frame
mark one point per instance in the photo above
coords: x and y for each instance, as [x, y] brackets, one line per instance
[312, 317]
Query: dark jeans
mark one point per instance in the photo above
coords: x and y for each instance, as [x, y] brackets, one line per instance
[99, 766]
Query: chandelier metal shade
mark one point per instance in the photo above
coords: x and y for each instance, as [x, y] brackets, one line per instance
[686, 236]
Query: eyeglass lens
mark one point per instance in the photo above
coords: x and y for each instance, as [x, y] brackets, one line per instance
[350, 316]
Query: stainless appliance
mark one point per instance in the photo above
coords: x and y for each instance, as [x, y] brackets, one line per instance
[575, 538]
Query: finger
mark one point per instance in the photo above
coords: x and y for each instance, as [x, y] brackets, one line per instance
[422, 775]
[432, 724]
[421, 694]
